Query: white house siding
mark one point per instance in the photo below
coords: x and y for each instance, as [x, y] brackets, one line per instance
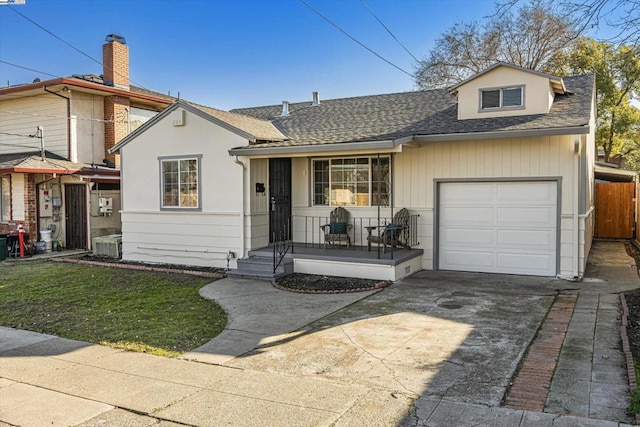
[23, 116]
[87, 134]
[196, 238]
[417, 168]
[17, 197]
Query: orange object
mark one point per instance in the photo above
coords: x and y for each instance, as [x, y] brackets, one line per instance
[21, 239]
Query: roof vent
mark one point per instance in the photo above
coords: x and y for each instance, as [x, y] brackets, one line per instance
[115, 38]
[285, 108]
[316, 100]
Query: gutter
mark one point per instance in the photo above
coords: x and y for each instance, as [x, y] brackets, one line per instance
[395, 143]
[316, 148]
[576, 207]
[572, 130]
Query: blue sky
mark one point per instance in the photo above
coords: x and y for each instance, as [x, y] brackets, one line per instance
[233, 53]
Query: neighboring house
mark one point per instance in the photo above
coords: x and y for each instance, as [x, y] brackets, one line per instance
[499, 169]
[54, 137]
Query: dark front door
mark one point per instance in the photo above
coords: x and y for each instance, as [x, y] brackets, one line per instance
[75, 198]
[280, 197]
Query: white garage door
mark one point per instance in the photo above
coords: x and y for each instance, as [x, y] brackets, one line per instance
[498, 227]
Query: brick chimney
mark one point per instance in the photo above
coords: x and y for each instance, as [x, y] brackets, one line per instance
[115, 61]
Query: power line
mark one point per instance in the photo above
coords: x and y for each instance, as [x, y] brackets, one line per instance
[355, 40]
[27, 68]
[17, 134]
[388, 30]
[69, 44]
[61, 117]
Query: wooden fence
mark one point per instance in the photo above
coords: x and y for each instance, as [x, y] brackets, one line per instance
[615, 207]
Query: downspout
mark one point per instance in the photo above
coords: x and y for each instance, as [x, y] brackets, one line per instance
[68, 116]
[576, 207]
[242, 211]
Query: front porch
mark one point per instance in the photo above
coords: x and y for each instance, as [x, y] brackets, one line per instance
[355, 261]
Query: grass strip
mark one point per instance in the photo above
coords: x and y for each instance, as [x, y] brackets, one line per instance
[157, 313]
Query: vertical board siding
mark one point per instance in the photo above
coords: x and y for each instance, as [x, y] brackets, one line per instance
[504, 158]
[23, 116]
[615, 209]
[18, 206]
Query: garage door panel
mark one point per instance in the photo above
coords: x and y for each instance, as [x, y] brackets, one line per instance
[459, 193]
[468, 216]
[534, 194]
[468, 260]
[533, 239]
[498, 227]
[468, 237]
[529, 217]
[523, 262]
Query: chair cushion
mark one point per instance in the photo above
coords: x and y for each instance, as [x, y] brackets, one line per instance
[338, 228]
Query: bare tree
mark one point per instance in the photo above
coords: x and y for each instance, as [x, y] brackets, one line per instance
[622, 15]
[529, 39]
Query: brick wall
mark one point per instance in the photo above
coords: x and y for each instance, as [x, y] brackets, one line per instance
[115, 60]
[116, 125]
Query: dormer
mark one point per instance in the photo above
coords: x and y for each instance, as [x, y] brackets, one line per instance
[506, 90]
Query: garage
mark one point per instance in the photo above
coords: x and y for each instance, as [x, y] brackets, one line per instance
[498, 227]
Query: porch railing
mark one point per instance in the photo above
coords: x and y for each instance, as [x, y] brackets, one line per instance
[307, 231]
[281, 244]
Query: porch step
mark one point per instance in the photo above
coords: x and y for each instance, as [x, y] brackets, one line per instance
[261, 267]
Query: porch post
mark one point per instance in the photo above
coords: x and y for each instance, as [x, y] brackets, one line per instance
[378, 198]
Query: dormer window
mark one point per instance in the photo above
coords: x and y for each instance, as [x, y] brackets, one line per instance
[507, 97]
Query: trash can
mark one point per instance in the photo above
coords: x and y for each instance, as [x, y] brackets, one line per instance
[3, 248]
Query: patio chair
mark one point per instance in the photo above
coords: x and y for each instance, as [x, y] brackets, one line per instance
[337, 231]
[394, 234]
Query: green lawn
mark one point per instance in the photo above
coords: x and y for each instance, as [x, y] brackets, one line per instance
[158, 313]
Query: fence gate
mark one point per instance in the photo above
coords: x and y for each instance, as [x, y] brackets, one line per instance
[614, 216]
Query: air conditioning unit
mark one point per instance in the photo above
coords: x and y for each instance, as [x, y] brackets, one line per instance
[107, 246]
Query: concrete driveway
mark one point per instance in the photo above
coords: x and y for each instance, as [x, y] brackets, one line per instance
[446, 335]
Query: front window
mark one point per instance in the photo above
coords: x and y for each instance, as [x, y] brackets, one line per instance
[501, 98]
[180, 182]
[357, 181]
[5, 199]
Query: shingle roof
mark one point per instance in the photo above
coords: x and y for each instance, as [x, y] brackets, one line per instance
[261, 129]
[33, 160]
[399, 115]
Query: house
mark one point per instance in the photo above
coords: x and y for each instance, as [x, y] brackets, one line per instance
[55, 168]
[497, 173]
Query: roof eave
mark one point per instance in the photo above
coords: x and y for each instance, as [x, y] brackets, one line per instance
[18, 169]
[318, 148]
[570, 130]
[73, 82]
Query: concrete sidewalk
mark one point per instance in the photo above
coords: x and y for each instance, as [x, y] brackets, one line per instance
[46, 380]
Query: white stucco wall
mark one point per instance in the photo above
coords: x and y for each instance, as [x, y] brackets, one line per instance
[87, 135]
[182, 237]
[23, 116]
[538, 94]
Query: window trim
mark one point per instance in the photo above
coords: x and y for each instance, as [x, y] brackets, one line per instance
[198, 158]
[371, 158]
[6, 220]
[482, 109]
